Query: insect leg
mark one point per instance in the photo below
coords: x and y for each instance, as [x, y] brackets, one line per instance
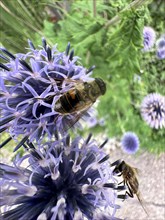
[121, 182]
[117, 162]
[124, 183]
[130, 193]
[120, 175]
[124, 196]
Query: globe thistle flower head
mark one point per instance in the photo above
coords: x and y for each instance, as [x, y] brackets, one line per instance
[130, 143]
[153, 110]
[64, 180]
[160, 43]
[92, 122]
[161, 54]
[34, 88]
[149, 37]
[161, 48]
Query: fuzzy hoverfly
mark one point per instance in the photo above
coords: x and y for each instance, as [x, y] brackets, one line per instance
[79, 97]
[130, 179]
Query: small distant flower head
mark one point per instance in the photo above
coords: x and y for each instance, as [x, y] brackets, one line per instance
[94, 121]
[160, 43]
[102, 121]
[130, 143]
[30, 89]
[161, 54]
[64, 180]
[149, 37]
[153, 110]
[161, 47]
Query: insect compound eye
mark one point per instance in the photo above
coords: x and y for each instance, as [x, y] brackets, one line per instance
[101, 85]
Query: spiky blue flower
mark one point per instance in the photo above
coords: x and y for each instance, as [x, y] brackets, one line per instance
[153, 110]
[63, 180]
[92, 122]
[130, 143]
[161, 54]
[161, 47]
[160, 43]
[149, 37]
[32, 84]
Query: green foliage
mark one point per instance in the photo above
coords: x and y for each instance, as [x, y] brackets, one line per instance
[7, 153]
[158, 16]
[125, 44]
[153, 73]
[21, 20]
[84, 29]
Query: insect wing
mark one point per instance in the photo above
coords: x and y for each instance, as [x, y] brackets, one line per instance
[141, 200]
[76, 116]
[70, 83]
[136, 170]
[61, 83]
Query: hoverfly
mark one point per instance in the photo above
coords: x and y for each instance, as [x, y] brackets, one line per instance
[79, 98]
[74, 102]
[129, 175]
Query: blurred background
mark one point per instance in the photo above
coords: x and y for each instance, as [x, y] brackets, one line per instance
[109, 35]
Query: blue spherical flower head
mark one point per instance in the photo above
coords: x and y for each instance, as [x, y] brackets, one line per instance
[39, 91]
[130, 143]
[153, 110]
[160, 43]
[64, 180]
[149, 37]
[161, 54]
[161, 48]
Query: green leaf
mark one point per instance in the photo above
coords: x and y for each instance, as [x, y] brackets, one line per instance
[125, 44]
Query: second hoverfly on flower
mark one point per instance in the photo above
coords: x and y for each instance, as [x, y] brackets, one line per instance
[130, 179]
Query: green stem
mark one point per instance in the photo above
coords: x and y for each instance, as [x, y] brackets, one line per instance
[94, 8]
[133, 5]
[120, 123]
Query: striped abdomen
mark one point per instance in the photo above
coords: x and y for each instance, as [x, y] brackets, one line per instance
[69, 102]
